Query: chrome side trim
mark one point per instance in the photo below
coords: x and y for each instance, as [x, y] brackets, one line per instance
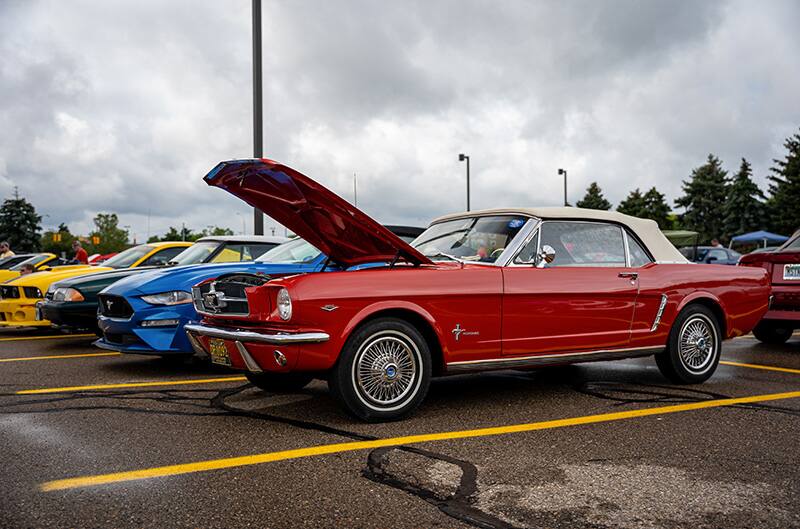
[659, 313]
[249, 361]
[250, 336]
[549, 359]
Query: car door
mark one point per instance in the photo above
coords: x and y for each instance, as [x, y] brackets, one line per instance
[583, 300]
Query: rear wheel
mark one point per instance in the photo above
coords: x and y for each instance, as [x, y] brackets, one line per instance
[384, 371]
[694, 347]
[279, 382]
[772, 332]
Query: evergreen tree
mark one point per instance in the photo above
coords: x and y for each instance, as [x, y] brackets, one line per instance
[594, 198]
[784, 189]
[744, 209]
[19, 224]
[656, 208]
[633, 204]
[704, 199]
[650, 205]
[108, 235]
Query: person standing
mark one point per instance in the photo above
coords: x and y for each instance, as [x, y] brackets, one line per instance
[80, 254]
[5, 250]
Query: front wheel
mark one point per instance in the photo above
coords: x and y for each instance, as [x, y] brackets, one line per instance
[694, 347]
[279, 382]
[772, 332]
[384, 371]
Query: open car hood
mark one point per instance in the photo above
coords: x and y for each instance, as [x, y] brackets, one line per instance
[341, 231]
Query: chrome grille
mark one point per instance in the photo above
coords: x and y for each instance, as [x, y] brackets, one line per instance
[226, 295]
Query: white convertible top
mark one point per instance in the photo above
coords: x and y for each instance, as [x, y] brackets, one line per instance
[645, 229]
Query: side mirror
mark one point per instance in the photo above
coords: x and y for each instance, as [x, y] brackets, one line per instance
[545, 256]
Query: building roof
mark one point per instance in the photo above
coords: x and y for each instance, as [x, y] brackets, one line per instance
[645, 229]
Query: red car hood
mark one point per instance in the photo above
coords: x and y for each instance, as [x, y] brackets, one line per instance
[333, 225]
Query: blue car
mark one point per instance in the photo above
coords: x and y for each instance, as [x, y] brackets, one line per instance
[146, 313]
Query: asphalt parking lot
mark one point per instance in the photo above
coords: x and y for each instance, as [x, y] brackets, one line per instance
[96, 439]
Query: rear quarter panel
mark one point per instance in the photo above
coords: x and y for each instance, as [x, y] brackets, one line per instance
[741, 293]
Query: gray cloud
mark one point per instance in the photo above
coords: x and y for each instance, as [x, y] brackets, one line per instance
[123, 106]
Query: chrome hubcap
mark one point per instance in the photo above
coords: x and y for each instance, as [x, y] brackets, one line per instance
[386, 369]
[697, 343]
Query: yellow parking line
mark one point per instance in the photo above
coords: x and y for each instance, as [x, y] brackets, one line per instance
[131, 385]
[54, 337]
[216, 464]
[759, 366]
[49, 357]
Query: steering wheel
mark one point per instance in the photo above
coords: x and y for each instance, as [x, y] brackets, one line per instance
[496, 253]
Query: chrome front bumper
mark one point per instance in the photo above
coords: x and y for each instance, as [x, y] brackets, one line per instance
[250, 336]
[240, 338]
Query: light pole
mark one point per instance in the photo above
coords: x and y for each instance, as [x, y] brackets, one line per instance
[258, 128]
[244, 227]
[463, 157]
[564, 172]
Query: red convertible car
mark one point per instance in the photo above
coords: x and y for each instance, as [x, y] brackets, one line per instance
[783, 268]
[494, 289]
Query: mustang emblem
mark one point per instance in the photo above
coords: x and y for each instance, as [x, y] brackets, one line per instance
[109, 304]
[458, 332]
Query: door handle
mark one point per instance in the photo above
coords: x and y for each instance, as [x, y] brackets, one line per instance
[630, 275]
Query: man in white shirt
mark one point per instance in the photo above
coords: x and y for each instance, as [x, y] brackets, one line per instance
[5, 250]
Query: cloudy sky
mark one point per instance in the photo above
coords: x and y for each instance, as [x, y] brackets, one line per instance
[123, 106]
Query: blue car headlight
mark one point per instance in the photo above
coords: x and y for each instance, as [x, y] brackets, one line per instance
[174, 297]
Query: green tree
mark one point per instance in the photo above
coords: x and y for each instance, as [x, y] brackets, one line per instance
[594, 198]
[58, 241]
[704, 198]
[19, 224]
[216, 231]
[656, 208]
[744, 208]
[633, 204]
[109, 236]
[650, 205]
[784, 189]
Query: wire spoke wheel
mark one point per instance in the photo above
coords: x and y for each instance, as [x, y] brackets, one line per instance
[386, 371]
[697, 343]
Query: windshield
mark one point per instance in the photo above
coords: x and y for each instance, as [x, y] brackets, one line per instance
[128, 257]
[793, 245]
[35, 260]
[472, 239]
[297, 251]
[196, 253]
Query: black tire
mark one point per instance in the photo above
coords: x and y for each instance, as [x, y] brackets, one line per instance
[696, 359]
[772, 332]
[279, 382]
[393, 381]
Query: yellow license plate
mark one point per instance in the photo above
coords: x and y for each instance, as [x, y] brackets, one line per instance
[219, 352]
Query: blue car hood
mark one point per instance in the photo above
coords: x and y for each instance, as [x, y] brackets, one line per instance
[185, 277]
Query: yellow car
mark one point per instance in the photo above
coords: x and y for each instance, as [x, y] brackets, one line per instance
[18, 297]
[39, 261]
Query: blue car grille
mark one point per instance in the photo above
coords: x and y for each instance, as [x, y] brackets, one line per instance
[114, 306]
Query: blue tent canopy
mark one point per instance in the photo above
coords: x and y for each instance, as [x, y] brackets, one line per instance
[759, 237]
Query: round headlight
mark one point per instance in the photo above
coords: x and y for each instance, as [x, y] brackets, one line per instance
[284, 304]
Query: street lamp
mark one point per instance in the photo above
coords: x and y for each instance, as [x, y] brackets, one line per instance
[564, 172]
[258, 127]
[461, 158]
